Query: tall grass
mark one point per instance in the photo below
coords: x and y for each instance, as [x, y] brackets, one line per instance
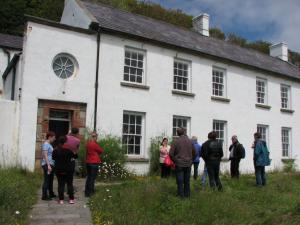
[153, 201]
[18, 192]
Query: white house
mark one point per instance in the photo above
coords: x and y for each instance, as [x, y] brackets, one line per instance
[136, 77]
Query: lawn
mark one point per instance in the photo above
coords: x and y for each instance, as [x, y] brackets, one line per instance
[152, 201]
[18, 192]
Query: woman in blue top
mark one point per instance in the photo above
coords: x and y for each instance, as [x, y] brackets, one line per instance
[48, 167]
[196, 160]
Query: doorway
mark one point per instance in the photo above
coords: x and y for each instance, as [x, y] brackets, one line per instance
[59, 123]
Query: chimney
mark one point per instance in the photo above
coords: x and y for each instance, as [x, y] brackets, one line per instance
[201, 24]
[280, 51]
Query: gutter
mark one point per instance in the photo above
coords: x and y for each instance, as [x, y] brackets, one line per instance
[95, 26]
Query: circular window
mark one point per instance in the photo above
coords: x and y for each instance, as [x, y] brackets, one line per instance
[64, 65]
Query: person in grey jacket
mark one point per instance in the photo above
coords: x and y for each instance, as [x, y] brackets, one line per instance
[182, 153]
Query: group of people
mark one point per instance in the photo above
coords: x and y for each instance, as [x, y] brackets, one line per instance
[59, 158]
[185, 153]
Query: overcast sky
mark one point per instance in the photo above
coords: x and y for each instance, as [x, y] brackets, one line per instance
[270, 20]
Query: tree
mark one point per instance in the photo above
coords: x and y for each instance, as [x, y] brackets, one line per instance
[261, 46]
[217, 33]
[235, 39]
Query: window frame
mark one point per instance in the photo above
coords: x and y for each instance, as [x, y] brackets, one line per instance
[142, 134]
[143, 76]
[264, 137]
[265, 82]
[225, 134]
[65, 67]
[188, 125]
[189, 75]
[288, 97]
[289, 143]
[224, 72]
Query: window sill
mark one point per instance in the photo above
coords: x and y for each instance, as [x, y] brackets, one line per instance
[262, 106]
[221, 99]
[188, 94]
[287, 111]
[142, 160]
[133, 85]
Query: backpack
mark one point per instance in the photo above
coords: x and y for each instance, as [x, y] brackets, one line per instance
[242, 151]
[266, 155]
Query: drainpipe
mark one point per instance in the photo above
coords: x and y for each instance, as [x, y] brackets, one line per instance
[96, 81]
[12, 96]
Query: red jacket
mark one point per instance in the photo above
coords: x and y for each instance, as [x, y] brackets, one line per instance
[93, 150]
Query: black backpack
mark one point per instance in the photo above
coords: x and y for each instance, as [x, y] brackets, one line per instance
[242, 151]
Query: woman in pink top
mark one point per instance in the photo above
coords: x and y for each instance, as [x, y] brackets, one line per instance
[164, 151]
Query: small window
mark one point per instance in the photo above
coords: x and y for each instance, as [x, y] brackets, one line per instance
[220, 127]
[64, 65]
[181, 75]
[218, 82]
[180, 121]
[264, 131]
[286, 141]
[285, 96]
[261, 91]
[134, 66]
[132, 134]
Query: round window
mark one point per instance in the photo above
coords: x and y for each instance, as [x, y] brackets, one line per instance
[64, 65]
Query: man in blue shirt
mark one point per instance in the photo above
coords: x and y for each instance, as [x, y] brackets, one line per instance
[196, 160]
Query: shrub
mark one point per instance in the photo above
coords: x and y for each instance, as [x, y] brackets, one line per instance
[289, 165]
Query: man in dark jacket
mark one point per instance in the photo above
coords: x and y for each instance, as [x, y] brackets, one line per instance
[182, 153]
[236, 153]
[212, 152]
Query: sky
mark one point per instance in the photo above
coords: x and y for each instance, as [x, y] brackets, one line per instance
[269, 20]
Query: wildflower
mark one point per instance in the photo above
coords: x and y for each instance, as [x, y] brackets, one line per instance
[109, 196]
[107, 190]
[17, 212]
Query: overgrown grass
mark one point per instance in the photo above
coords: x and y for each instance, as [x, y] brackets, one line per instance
[152, 201]
[18, 192]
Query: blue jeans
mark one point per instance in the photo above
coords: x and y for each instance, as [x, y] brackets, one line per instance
[204, 175]
[47, 188]
[260, 175]
[213, 169]
[92, 172]
[195, 170]
[183, 181]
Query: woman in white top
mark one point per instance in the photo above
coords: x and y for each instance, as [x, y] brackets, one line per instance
[164, 151]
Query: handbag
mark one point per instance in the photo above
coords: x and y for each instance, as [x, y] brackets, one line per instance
[168, 162]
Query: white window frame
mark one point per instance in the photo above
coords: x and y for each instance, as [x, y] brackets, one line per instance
[285, 96]
[225, 134]
[264, 134]
[286, 140]
[260, 92]
[189, 71]
[187, 128]
[223, 84]
[142, 140]
[143, 68]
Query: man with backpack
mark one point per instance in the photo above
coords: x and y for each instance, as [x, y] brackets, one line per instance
[261, 159]
[237, 152]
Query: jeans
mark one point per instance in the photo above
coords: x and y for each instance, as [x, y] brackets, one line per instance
[234, 168]
[204, 176]
[165, 170]
[195, 170]
[92, 171]
[213, 169]
[183, 181]
[63, 179]
[260, 175]
[47, 188]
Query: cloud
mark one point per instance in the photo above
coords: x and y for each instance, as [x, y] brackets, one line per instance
[270, 20]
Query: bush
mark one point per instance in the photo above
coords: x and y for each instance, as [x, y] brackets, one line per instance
[18, 190]
[113, 158]
[289, 165]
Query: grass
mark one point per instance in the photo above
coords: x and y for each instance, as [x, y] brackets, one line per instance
[18, 192]
[152, 201]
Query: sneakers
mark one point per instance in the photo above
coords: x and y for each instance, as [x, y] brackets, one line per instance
[61, 202]
[71, 201]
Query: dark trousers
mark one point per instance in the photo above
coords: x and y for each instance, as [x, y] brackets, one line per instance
[195, 170]
[213, 170]
[260, 175]
[92, 171]
[47, 188]
[234, 168]
[165, 170]
[62, 180]
[183, 181]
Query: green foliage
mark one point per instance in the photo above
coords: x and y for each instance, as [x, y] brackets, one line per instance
[289, 165]
[217, 33]
[154, 155]
[153, 201]
[235, 39]
[18, 192]
[294, 58]
[261, 46]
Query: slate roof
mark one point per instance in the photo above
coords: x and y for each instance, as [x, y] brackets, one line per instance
[11, 41]
[116, 20]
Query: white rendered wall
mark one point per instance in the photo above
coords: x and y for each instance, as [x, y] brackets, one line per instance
[42, 44]
[9, 117]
